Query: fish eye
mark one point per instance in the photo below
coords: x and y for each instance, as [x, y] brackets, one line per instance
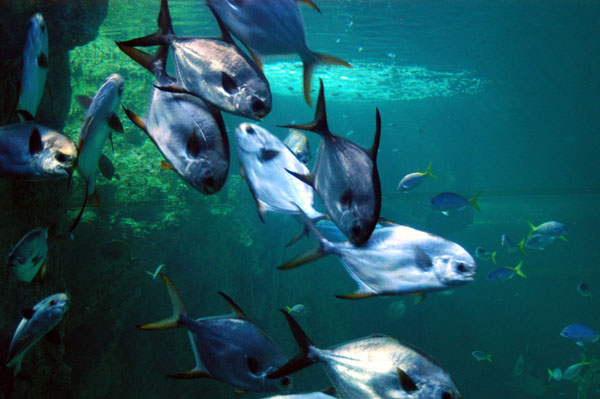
[461, 267]
[250, 130]
[209, 181]
[285, 381]
[257, 104]
[228, 83]
[60, 157]
[53, 302]
[446, 395]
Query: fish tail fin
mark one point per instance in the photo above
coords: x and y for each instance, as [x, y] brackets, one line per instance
[310, 62]
[563, 238]
[319, 124]
[521, 246]
[489, 358]
[177, 305]
[473, 201]
[154, 63]
[518, 270]
[493, 256]
[288, 309]
[325, 246]
[303, 359]
[532, 228]
[165, 32]
[550, 375]
[428, 171]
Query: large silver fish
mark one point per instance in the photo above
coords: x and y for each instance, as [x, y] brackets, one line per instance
[374, 367]
[345, 176]
[396, 260]
[36, 323]
[28, 256]
[298, 143]
[311, 395]
[264, 159]
[227, 348]
[34, 152]
[190, 135]
[268, 27]
[35, 65]
[215, 69]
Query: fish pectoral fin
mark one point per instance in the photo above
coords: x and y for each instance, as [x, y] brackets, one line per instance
[422, 260]
[308, 179]
[266, 155]
[311, 5]
[84, 101]
[27, 313]
[357, 295]
[136, 119]
[53, 336]
[35, 141]
[188, 375]
[236, 309]
[42, 60]
[308, 257]
[115, 123]
[166, 165]
[406, 382]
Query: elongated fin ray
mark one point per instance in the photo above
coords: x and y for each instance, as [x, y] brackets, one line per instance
[165, 32]
[309, 67]
[308, 179]
[377, 138]
[225, 35]
[176, 305]
[319, 124]
[238, 311]
[310, 4]
[78, 218]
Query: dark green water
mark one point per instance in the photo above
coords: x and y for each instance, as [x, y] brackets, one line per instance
[501, 96]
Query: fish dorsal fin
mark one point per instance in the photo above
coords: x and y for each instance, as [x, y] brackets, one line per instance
[25, 114]
[115, 123]
[375, 146]
[253, 365]
[319, 124]
[42, 60]
[316, 8]
[308, 179]
[266, 155]
[27, 313]
[406, 382]
[35, 141]
[225, 35]
[139, 56]
[136, 119]
[422, 260]
[84, 101]
[193, 145]
[236, 309]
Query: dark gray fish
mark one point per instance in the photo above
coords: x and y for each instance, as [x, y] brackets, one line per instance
[374, 367]
[227, 348]
[215, 69]
[34, 152]
[539, 241]
[35, 65]
[28, 256]
[36, 323]
[190, 134]
[298, 143]
[345, 176]
[268, 27]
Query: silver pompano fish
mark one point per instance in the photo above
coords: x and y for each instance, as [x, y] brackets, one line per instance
[269, 27]
[345, 176]
[96, 126]
[227, 348]
[215, 69]
[29, 254]
[311, 395]
[39, 321]
[35, 152]
[396, 260]
[264, 159]
[374, 367]
[35, 65]
[190, 135]
[298, 143]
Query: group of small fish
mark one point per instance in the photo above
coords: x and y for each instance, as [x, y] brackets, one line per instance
[570, 372]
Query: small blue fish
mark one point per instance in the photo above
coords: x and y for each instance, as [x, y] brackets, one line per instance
[510, 246]
[573, 370]
[445, 202]
[555, 374]
[485, 255]
[479, 355]
[413, 180]
[551, 228]
[298, 309]
[579, 333]
[539, 241]
[506, 273]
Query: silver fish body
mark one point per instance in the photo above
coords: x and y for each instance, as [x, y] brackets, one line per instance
[35, 65]
[44, 318]
[298, 143]
[35, 152]
[264, 160]
[539, 241]
[95, 129]
[311, 395]
[29, 254]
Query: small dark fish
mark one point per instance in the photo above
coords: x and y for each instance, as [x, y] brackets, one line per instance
[298, 143]
[36, 323]
[579, 333]
[584, 290]
[506, 273]
[35, 66]
[28, 256]
[34, 152]
[345, 177]
[227, 348]
[445, 202]
[268, 27]
[377, 366]
[214, 69]
[539, 241]
[485, 255]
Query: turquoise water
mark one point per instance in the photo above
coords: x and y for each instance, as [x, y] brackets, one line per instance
[501, 96]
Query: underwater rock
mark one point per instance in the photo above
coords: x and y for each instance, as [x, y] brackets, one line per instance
[70, 24]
